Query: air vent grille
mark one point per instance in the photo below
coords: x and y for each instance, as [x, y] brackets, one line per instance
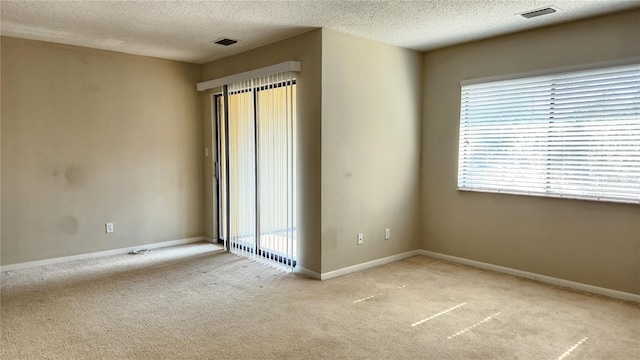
[539, 12]
[225, 41]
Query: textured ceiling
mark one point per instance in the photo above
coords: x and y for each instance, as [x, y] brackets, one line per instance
[183, 30]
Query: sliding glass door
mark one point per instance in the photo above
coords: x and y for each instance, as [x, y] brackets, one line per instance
[256, 121]
[277, 156]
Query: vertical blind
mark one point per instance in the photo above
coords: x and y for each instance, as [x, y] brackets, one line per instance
[574, 135]
[242, 175]
[262, 158]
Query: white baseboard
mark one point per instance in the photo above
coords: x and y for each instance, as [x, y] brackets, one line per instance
[369, 264]
[307, 272]
[212, 240]
[533, 276]
[351, 269]
[65, 259]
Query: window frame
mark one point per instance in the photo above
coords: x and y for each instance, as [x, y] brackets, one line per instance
[532, 74]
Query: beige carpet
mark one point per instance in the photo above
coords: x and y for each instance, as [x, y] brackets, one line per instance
[190, 302]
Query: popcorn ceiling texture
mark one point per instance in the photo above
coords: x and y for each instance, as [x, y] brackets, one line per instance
[182, 30]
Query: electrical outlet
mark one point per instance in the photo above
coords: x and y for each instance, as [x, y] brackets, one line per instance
[360, 238]
[109, 227]
[387, 234]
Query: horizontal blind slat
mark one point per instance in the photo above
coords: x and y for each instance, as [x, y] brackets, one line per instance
[609, 73]
[578, 195]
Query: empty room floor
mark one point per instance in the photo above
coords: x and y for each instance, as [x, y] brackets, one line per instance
[197, 302]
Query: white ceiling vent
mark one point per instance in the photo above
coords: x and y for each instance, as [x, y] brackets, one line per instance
[225, 41]
[539, 12]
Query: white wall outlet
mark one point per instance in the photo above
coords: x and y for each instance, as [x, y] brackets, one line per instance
[387, 234]
[360, 238]
[206, 151]
[109, 227]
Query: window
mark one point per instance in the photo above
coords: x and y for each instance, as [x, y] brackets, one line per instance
[573, 135]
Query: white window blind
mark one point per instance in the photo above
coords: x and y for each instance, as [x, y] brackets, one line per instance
[574, 135]
[262, 182]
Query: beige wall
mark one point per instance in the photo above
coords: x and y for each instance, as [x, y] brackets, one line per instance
[0, 152]
[589, 242]
[209, 186]
[306, 48]
[371, 125]
[89, 137]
